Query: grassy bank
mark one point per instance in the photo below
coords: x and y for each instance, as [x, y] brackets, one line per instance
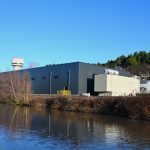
[133, 107]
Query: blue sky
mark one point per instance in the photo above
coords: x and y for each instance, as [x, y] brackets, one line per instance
[60, 31]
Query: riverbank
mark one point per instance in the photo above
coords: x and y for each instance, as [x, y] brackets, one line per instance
[133, 107]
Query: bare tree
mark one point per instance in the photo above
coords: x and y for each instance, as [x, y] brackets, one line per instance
[33, 64]
[16, 86]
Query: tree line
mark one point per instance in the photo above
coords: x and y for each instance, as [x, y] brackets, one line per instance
[137, 63]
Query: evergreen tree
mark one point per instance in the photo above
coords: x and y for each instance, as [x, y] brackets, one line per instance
[137, 62]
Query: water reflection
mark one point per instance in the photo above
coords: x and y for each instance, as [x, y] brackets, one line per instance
[75, 130]
[14, 117]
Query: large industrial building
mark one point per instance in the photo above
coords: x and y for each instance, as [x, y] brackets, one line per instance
[77, 77]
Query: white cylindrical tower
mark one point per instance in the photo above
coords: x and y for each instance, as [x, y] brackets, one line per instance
[17, 63]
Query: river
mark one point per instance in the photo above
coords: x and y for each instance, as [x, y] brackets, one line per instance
[24, 128]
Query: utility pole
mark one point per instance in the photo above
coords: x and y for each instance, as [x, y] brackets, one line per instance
[68, 82]
[50, 83]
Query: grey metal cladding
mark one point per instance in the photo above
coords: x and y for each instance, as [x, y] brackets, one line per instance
[41, 82]
[86, 75]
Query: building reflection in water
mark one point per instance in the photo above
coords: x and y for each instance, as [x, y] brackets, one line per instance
[77, 127]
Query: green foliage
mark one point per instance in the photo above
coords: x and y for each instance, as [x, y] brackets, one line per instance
[138, 58]
[131, 61]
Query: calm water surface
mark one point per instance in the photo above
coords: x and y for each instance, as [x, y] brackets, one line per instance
[29, 129]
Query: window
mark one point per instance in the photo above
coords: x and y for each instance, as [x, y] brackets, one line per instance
[55, 77]
[32, 78]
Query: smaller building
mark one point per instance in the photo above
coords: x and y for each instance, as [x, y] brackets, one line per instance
[115, 85]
